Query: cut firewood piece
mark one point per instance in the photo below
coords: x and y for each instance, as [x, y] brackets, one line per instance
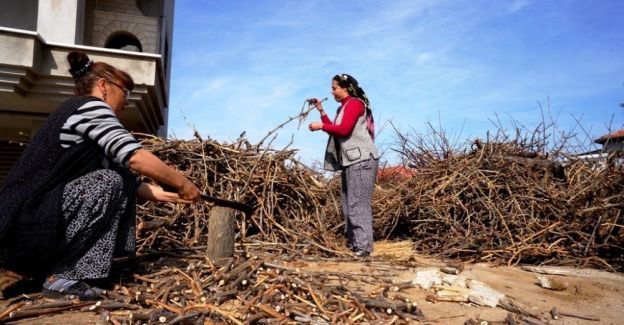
[451, 293]
[449, 270]
[552, 283]
[8, 279]
[482, 294]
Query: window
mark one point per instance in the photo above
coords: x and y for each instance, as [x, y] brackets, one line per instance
[124, 41]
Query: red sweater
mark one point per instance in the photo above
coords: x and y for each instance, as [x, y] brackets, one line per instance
[352, 112]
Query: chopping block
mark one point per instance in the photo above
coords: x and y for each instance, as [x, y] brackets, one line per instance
[221, 233]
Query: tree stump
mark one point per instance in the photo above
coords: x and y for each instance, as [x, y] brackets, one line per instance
[220, 233]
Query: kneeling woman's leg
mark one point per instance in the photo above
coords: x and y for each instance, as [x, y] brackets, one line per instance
[99, 211]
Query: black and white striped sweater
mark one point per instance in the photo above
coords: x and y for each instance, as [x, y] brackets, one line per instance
[96, 121]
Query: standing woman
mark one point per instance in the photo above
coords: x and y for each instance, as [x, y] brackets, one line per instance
[351, 149]
[68, 205]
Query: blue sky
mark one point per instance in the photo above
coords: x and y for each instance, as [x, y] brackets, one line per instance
[248, 65]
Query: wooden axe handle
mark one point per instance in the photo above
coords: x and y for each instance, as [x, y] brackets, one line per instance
[247, 209]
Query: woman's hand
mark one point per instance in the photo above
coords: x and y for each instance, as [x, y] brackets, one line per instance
[317, 103]
[146, 163]
[189, 191]
[315, 126]
[156, 193]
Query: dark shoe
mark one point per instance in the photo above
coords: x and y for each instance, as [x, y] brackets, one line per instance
[79, 290]
[361, 253]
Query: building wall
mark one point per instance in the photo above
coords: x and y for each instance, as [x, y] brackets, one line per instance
[119, 6]
[108, 17]
[149, 21]
[614, 146]
[166, 48]
[60, 21]
[145, 29]
[19, 14]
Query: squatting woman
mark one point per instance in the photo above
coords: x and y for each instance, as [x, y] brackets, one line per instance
[68, 205]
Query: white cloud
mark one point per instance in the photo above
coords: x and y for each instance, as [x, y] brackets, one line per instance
[517, 5]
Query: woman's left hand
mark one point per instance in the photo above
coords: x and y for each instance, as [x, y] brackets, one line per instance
[315, 126]
[156, 193]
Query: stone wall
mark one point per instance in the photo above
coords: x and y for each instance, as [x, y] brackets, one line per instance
[113, 16]
[119, 6]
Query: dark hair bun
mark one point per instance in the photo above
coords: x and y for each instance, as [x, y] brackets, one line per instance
[79, 63]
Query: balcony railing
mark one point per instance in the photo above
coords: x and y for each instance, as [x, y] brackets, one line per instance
[34, 79]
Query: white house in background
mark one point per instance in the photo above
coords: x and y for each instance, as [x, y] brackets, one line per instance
[596, 156]
[613, 141]
[35, 37]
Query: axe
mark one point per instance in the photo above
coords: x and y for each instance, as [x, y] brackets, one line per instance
[245, 208]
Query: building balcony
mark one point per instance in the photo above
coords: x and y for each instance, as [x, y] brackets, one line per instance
[34, 80]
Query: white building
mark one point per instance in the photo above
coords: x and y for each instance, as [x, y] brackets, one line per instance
[35, 37]
[613, 141]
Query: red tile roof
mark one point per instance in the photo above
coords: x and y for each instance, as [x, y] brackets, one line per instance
[611, 136]
[394, 173]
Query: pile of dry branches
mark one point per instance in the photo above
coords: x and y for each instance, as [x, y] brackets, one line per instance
[288, 197]
[501, 199]
[187, 288]
[504, 199]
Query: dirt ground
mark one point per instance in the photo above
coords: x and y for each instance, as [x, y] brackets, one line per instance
[590, 292]
[594, 293]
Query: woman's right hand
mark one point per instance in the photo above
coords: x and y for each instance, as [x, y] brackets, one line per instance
[156, 193]
[189, 191]
[317, 103]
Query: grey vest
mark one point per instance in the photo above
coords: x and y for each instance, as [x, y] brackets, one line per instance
[345, 151]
